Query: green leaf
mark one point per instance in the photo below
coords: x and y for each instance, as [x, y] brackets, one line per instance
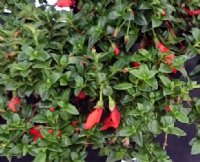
[143, 72]
[39, 118]
[153, 127]
[63, 60]
[113, 15]
[123, 86]
[16, 118]
[156, 22]
[152, 82]
[180, 116]
[141, 20]
[71, 109]
[124, 132]
[74, 156]
[165, 80]
[196, 33]
[112, 157]
[133, 35]
[195, 147]
[79, 81]
[164, 68]
[176, 131]
[17, 149]
[41, 157]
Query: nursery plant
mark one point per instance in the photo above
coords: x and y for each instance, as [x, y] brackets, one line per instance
[106, 74]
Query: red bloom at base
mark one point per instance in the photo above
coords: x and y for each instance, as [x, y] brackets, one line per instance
[13, 103]
[93, 118]
[64, 3]
[113, 120]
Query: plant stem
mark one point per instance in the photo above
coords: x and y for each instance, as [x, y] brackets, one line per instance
[165, 141]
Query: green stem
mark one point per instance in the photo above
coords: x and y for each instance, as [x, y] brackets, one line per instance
[128, 27]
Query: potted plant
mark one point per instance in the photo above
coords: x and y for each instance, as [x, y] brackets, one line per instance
[100, 75]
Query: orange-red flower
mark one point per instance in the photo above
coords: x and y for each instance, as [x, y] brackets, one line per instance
[64, 3]
[13, 103]
[113, 120]
[93, 118]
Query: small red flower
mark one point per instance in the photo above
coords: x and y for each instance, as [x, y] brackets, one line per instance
[50, 131]
[13, 103]
[93, 118]
[52, 109]
[81, 95]
[135, 64]
[169, 59]
[113, 120]
[64, 3]
[74, 123]
[35, 131]
[162, 47]
[174, 70]
[116, 49]
[168, 108]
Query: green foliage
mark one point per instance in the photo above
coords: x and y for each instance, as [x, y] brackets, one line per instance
[48, 57]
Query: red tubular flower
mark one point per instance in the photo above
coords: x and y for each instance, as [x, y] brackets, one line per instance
[113, 120]
[13, 103]
[93, 118]
[135, 64]
[191, 12]
[162, 47]
[81, 95]
[64, 3]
